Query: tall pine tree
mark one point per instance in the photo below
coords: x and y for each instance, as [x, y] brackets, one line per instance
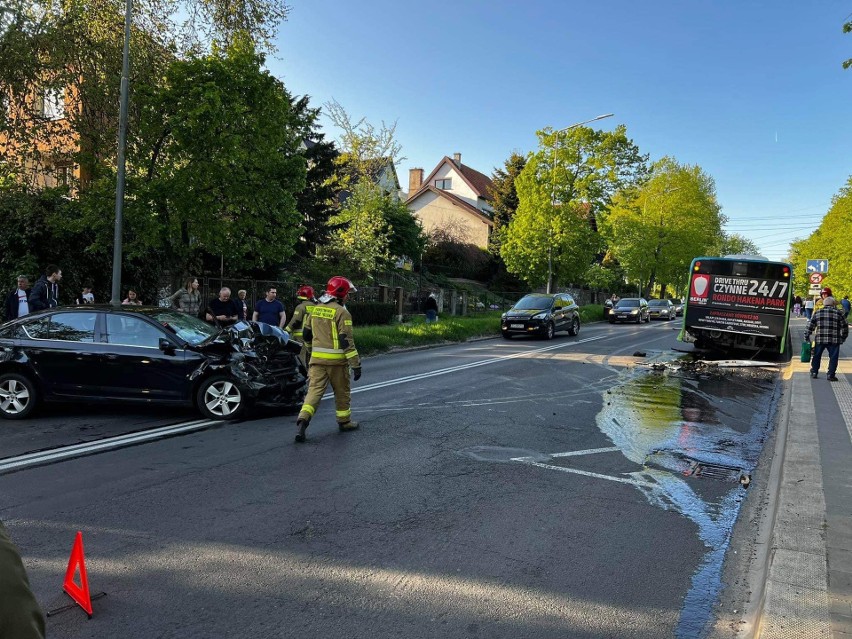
[318, 201]
[504, 197]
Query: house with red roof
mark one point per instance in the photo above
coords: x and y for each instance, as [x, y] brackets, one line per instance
[453, 196]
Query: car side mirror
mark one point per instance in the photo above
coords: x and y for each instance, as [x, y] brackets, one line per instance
[166, 346]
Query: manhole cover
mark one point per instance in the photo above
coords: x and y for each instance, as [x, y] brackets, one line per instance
[714, 471]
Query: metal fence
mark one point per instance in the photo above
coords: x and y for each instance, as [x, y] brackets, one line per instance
[454, 301]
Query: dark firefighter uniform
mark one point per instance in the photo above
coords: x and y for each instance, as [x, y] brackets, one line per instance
[296, 325]
[20, 615]
[328, 331]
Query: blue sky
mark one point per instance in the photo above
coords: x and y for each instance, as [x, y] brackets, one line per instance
[753, 92]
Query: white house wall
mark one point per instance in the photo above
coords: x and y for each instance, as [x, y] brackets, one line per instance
[460, 187]
[436, 212]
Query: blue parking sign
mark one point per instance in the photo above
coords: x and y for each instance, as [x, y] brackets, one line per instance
[817, 266]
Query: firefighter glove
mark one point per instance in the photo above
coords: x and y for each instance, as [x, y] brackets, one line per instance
[308, 334]
[356, 373]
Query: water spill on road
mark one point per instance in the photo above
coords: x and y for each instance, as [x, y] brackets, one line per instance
[673, 415]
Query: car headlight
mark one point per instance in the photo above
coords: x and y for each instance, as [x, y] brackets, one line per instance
[503, 316]
[634, 311]
[540, 316]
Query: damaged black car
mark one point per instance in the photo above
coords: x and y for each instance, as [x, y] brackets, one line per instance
[148, 355]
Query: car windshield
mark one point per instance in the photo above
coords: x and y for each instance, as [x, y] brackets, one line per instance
[188, 328]
[534, 303]
[676, 302]
[658, 303]
[629, 302]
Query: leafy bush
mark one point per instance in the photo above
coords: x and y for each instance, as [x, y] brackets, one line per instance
[591, 313]
[371, 313]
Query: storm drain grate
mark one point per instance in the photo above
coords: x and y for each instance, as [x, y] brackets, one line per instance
[714, 471]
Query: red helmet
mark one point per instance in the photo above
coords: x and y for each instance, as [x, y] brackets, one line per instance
[825, 291]
[305, 292]
[340, 287]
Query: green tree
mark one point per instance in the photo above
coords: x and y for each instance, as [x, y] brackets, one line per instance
[656, 229]
[215, 170]
[564, 185]
[847, 28]
[362, 239]
[504, 197]
[830, 241]
[736, 244]
[317, 202]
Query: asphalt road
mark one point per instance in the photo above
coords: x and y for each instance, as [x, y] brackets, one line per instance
[518, 488]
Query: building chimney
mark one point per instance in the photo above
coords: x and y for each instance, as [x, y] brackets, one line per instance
[457, 159]
[415, 180]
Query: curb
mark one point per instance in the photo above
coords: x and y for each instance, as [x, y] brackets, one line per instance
[759, 571]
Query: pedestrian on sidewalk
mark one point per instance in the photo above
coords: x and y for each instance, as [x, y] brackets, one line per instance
[809, 307]
[20, 615]
[431, 308]
[846, 306]
[18, 301]
[831, 331]
[132, 299]
[797, 306]
[188, 299]
[46, 290]
[242, 305]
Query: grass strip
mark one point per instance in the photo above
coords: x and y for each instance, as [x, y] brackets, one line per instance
[448, 329]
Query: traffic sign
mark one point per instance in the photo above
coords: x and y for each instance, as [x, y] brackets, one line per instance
[816, 278]
[817, 266]
[814, 289]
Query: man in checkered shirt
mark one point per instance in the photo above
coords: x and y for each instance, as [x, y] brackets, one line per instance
[831, 331]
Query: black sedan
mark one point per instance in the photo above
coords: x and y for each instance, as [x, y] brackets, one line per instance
[148, 355]
[630, 309]
[543, 315]
[661, 309]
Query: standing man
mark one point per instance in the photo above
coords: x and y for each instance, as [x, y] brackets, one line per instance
[270, 310]
[328, 330]
[223, 308]
[307, 301]
[831, 331]
[18, 301]
[844, 303]
[46, 290]
[20, 615]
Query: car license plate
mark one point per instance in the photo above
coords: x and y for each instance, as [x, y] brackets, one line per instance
[622, 316]
[516, 325]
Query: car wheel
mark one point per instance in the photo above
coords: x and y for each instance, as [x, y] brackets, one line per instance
[551, 331]
[219, 397]
[575, 326]
[18, 396]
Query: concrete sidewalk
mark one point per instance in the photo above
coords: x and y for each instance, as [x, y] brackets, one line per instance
[808, 589]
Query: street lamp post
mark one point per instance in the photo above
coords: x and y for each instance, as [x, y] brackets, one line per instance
[122, 141]
[553, 193]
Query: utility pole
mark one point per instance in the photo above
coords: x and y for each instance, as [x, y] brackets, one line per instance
[122, 143]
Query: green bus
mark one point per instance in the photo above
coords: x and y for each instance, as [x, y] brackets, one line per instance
[738, 302]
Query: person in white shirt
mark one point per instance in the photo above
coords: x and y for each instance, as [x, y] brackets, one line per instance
[86, 297]
[18, 301]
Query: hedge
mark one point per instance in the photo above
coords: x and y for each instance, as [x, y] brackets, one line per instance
[371, 313]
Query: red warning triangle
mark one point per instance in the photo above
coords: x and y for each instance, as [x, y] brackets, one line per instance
[80, 593]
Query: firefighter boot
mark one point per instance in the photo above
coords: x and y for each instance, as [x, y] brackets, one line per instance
[347, 426]
[303, 426]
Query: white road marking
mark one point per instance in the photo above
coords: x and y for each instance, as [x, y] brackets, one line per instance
[564, 469]
[590, 451]
[462, 367]
[577, 453]
[77, 450]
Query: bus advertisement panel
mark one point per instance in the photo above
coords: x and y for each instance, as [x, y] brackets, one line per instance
[738, 302]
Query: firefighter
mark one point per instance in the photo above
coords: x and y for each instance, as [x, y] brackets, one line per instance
[307, 300]
[20, 615]
[328, 332]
